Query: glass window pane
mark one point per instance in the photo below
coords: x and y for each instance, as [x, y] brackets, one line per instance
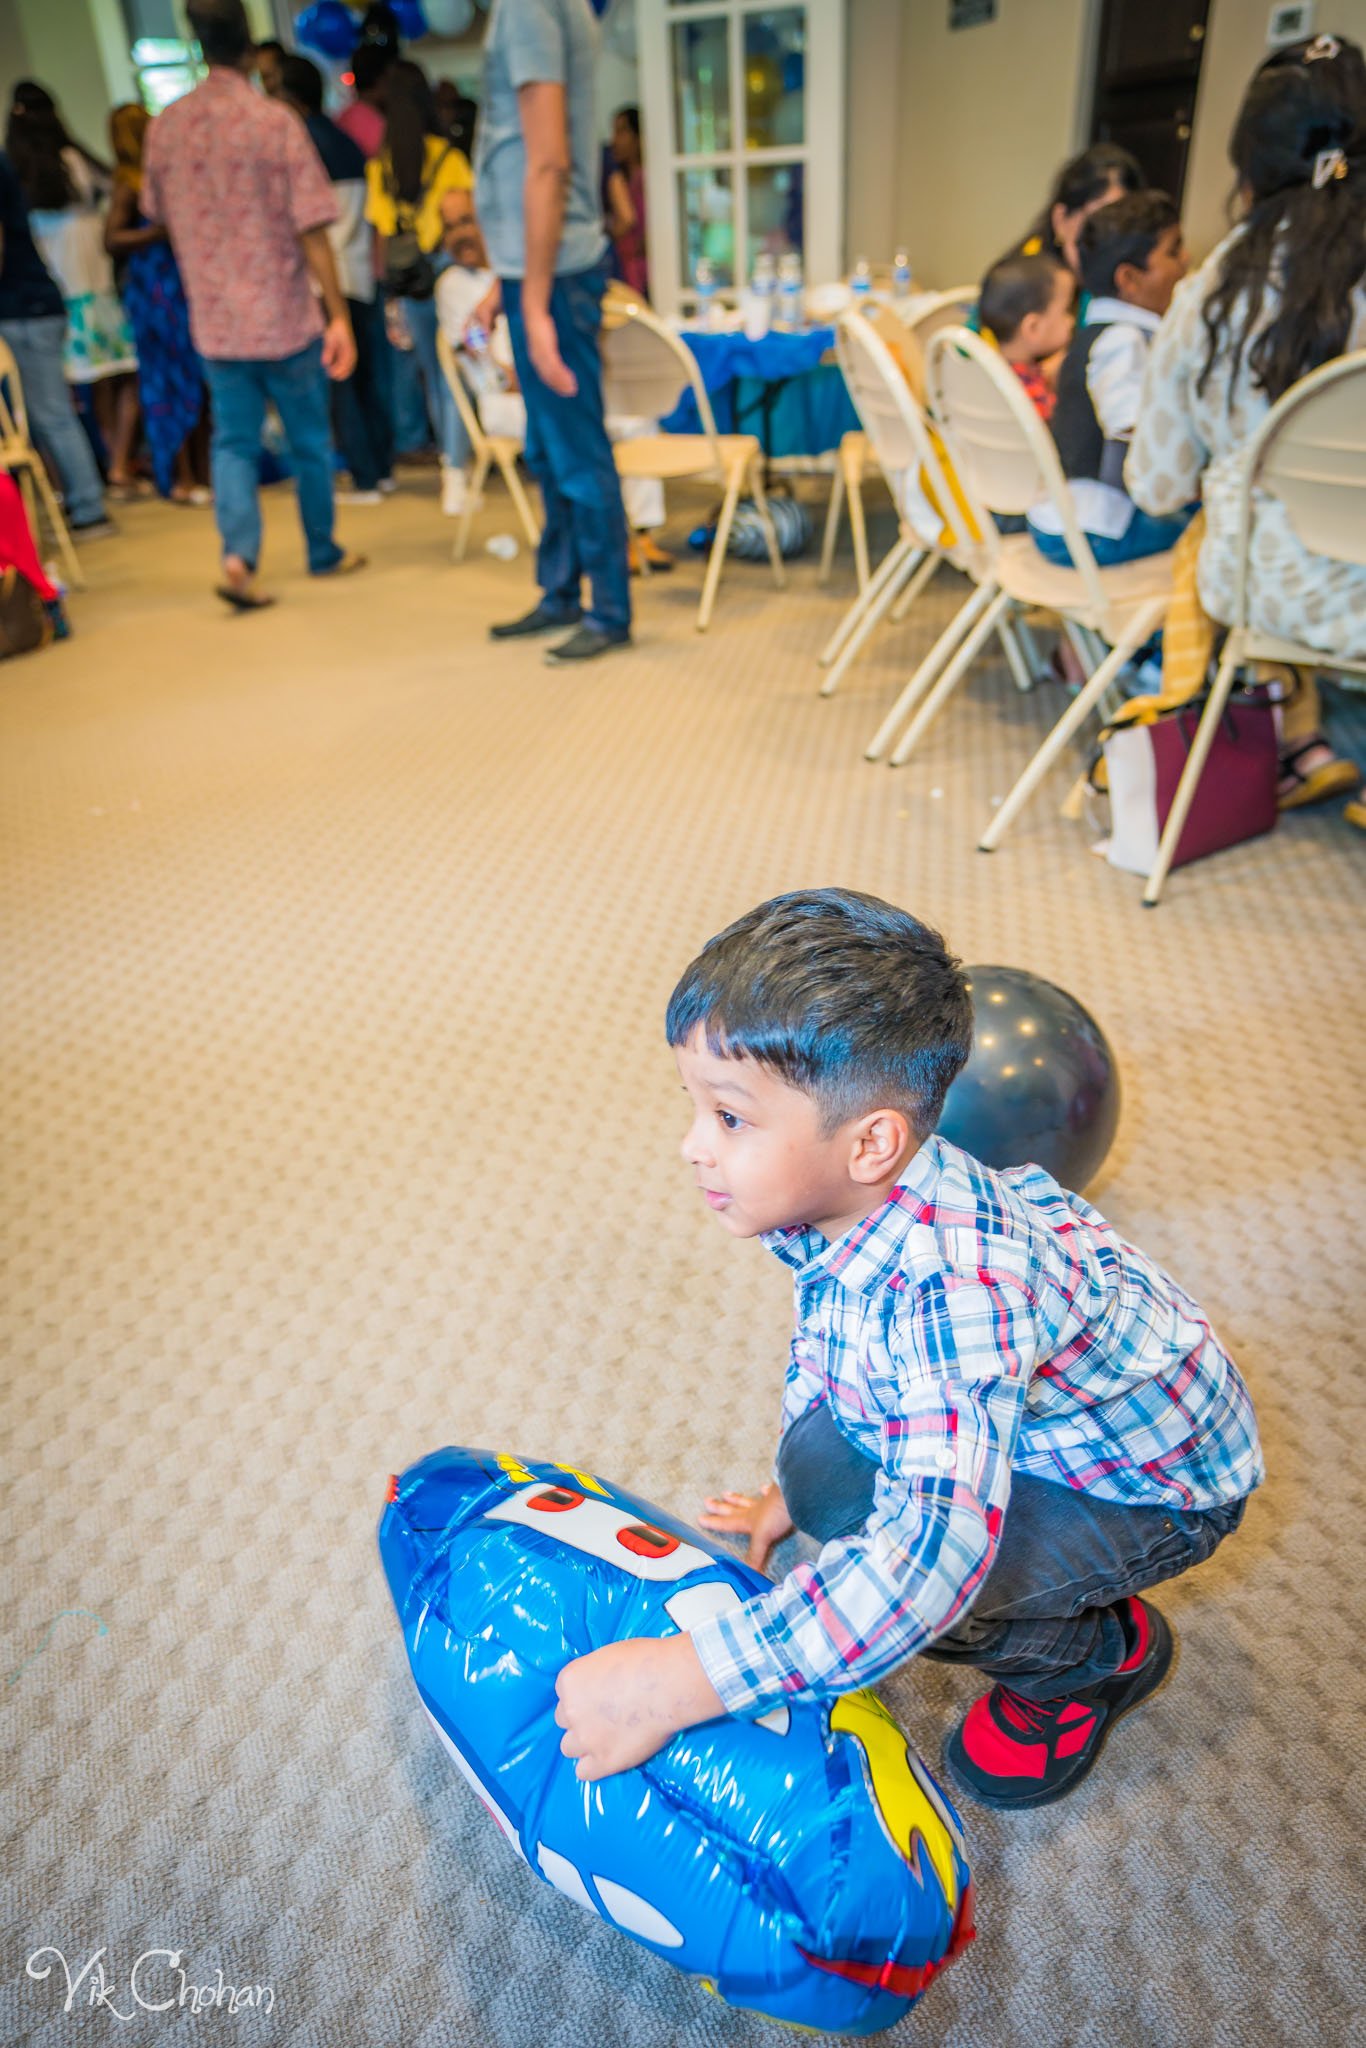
[702, 85]
[775, 78]
[776, 223]
[706, 225]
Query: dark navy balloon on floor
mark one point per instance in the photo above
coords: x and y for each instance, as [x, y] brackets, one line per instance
[1041, 1086]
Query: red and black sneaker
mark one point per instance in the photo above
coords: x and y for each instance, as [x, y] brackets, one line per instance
[1012, 1751]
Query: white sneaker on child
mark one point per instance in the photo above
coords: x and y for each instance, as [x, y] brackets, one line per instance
[455, 490]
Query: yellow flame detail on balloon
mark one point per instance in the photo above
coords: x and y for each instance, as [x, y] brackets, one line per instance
[905, 1801]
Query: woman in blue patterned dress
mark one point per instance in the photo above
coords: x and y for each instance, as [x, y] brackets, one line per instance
[170, 379]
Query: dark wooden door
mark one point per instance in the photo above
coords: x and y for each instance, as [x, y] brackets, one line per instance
[1147, 71]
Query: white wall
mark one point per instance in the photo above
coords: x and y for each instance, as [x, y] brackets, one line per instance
[1234, 46]
[984, 117]
[954, 136]
[78, 49]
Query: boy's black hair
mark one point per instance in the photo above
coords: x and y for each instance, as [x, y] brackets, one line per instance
[1125, 231]
[302, 82]
[839, 994]
[1014, 288]
[221, 29]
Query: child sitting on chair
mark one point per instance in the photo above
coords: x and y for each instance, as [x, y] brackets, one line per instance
[1002, 1422]
[1025, 307]
[1132, 259]
[465, 295]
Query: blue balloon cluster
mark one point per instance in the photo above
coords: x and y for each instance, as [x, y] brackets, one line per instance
[805, 1865]
[333, 29]
[327, 27]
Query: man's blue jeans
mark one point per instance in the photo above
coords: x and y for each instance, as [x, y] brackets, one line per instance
[240, 391]
[57, 432]
[1044, 1619]
[570, 456]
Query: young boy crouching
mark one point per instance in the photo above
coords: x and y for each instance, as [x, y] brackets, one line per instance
[1002, 1422]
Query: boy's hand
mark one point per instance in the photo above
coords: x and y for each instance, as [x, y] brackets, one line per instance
[486, 312]
[763, 1517]
[620, 1704]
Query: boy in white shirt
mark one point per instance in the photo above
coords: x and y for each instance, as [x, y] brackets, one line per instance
[1132, 259]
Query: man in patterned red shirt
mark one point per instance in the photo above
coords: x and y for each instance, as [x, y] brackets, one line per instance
[1002, 1422]
[240, 189]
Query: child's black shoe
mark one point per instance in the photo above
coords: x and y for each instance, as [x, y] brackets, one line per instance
[1011, 1751]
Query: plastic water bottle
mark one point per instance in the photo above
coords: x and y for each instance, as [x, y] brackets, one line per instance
[760, 299]
[791, 295]
[861, 284]
[704, 282]
[901, 275]
[482, 372]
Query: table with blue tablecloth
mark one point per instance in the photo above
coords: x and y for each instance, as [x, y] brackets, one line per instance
[779, 387]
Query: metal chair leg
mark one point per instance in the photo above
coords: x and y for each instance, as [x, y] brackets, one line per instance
[760, 496]
[881, 595]
[832, 523]
[1194, 769]
[853, 612]
[718, 547]
[949, 680]
[962, 622]
[1141, 625]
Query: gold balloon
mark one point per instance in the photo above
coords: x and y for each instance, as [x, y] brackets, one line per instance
[763, 96]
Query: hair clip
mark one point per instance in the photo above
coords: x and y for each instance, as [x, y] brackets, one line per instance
[1322, 47]
[1328, 164]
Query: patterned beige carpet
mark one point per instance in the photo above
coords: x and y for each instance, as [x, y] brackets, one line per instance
[339, 1125]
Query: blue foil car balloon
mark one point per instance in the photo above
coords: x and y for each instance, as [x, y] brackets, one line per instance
[804, 1865]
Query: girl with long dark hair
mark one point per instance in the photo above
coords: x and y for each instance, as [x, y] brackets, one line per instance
[415, 171]
[66, 190]
[1283, 293]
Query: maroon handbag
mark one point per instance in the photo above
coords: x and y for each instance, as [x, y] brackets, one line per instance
[1235, 798]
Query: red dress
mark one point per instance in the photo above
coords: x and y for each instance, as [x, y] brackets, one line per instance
[16, 541]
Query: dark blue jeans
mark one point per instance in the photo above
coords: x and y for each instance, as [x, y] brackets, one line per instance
[570, 456]
[361, 403]
[240, 390]
[1143, 536]
[1044, 1620]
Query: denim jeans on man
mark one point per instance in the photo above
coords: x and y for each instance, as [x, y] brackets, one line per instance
[362, 402]
[297, 386]
[1044, 1620]
[570, 456]
[57, 433]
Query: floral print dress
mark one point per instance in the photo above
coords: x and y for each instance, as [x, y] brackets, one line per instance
[1190, 441]
[99, 342]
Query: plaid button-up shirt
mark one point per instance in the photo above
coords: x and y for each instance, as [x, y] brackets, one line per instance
[977, 1324]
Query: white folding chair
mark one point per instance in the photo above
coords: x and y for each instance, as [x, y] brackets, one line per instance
[646, 369]
[1310, 454]
[846, 487]
[906, 326]
[1004, 458]
[19, 456]
[899, 441]
[488, 450]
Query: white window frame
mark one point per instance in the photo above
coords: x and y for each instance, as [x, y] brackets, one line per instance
[821, 152]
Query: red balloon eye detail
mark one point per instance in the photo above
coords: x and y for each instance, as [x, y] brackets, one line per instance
[645, 1541]
[556, 1500]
